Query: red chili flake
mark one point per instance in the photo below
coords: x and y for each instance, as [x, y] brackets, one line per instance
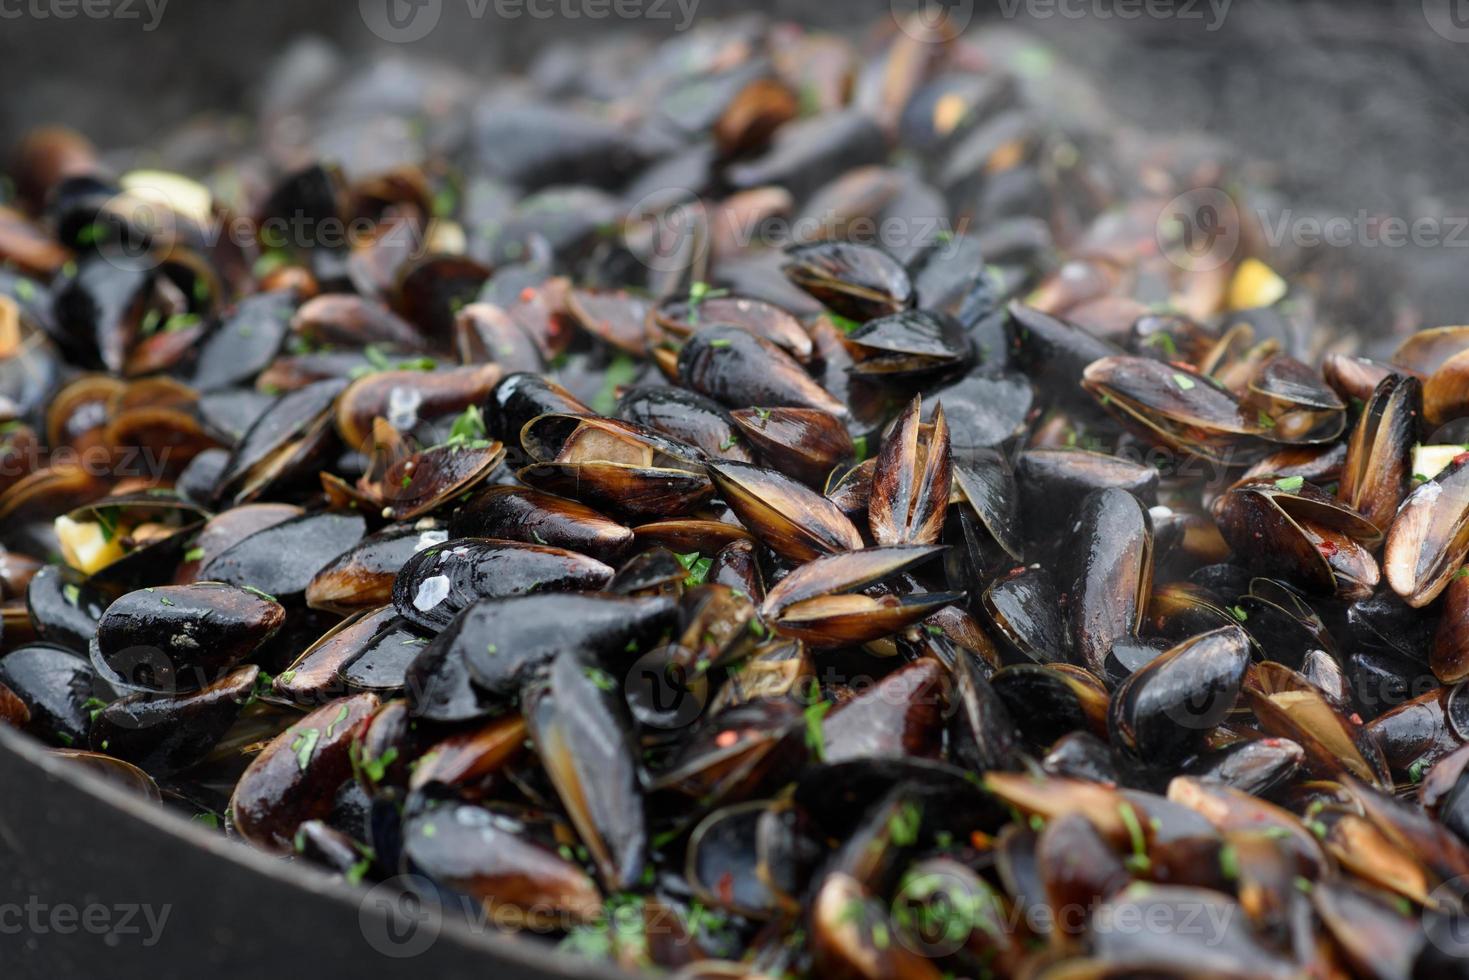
[1458, 459]
[1356, 718]
[726, 888]
[726, 738]
[1327, 548]
[527, 294]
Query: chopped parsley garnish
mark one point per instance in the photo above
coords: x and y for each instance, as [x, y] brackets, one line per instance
[697, 567]
[304, 744]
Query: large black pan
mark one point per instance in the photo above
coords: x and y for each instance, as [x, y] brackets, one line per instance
[80, 860]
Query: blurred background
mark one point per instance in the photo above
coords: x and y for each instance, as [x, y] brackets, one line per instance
[1357, 109]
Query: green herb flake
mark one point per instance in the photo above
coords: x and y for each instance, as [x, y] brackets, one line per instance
[1184, 382]
[815, 737]
[1137, 861]
[844, 324]
[1239, 613]
[720, 342]
[358, 871]
[1291, 484]
[304, 744]
[621, 370]
[697, 566]
[1264, 420]
[1164, 340]
[904, 824]
[94, 706]
[341, 717]
[699, 291]
[1417, 769]
[1229, 862]
[375, 769]
[73, 594]
[600, 679]
[209, 820]
[859, 448]
[194, 554]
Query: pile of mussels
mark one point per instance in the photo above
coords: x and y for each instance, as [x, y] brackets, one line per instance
[608, 536]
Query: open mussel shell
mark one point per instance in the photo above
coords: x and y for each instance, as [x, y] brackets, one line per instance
[522, 514]
[182, 637]
[1378, 468]
[909, 344]
[437, 583]
[805, 443]
[167, 733]
[615, 464]
[435, 478]
[816, 602]
[860, 282]
[735, 751]
[910, 486]
[1300, 406]
[406, 397]
[1429, 536]
[1172, 406]
[125, 539]
[1111, 573]
[362, 577]
[1293, 530]
[792, 520]
[1438, 357]
[724, 862]
[1333, 743]
[578, 720]
[1164, 712]
[282, 444]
